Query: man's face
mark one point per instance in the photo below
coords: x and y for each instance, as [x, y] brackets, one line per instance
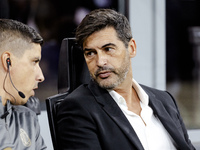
[26, 73]
[107, 58]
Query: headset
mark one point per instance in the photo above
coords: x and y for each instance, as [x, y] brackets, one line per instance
[21, 94]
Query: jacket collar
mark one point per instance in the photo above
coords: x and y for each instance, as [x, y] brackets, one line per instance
[111, 108]
[164, 116]
[5, 111]
[1, 107]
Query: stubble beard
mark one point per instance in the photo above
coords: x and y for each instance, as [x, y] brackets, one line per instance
[118, 75]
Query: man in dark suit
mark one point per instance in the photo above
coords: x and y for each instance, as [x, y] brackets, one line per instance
[114, 112]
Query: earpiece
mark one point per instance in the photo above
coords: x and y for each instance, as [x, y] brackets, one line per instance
[21, 94]
[8, 61]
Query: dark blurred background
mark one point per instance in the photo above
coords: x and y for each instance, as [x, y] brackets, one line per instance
[183, 57]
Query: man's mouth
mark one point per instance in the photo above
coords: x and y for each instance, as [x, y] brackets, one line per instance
[104, 74]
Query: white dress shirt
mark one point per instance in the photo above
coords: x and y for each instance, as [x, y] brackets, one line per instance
[152, 133]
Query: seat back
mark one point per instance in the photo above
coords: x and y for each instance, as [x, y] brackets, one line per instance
[72, 72]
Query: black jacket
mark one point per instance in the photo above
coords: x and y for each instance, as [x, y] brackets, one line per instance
[89, 119]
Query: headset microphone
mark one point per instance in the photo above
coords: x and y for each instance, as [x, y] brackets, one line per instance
[8, 65]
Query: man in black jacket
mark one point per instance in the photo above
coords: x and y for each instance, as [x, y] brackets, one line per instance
[114, 112]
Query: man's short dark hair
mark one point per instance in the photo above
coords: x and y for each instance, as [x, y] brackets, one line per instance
[17, 37]
[15, 26]
[99, 19]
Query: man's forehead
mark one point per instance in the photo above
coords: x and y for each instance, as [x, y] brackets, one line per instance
[101, 42]
[34, 50]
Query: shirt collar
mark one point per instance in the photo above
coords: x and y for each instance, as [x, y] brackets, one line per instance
[7, 108]
[1, 107]
[144, 98]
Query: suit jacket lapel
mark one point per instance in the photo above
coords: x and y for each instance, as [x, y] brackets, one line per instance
[167, 121]
[113, 110]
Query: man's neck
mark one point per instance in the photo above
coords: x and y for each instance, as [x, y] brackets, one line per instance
[3, 98]
[130, 95]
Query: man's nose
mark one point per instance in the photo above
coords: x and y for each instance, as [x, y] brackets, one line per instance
[101, 60]
[40, 75]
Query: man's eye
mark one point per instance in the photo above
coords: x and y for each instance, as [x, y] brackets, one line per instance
[108, 48]
[36, 61]
[89, 53]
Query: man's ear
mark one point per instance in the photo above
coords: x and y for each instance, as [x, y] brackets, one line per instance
[132, 48]
[4, 57]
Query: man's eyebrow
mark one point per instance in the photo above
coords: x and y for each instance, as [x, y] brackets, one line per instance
[109, 44]
[37, 58]
[86, 49]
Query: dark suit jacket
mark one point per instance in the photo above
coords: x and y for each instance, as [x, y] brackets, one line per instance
[90, 119]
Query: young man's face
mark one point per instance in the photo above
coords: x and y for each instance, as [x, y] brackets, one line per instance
[26, 73]
[107, 58]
